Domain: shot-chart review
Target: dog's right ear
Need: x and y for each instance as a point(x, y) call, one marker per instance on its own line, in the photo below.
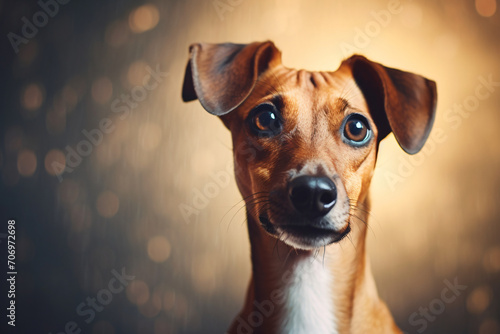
point(401, 102)
point(222, 76)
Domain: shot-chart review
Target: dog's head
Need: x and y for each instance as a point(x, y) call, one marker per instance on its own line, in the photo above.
point(305, 143)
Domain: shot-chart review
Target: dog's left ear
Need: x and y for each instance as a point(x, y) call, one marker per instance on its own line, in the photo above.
point(222, 76)
point(401, 102)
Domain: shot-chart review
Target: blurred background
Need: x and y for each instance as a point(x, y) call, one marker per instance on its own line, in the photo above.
point(107, 173)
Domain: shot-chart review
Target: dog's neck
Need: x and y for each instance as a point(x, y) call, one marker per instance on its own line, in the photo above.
point(330, 290)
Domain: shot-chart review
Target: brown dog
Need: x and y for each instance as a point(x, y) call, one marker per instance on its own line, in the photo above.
point(305, 146)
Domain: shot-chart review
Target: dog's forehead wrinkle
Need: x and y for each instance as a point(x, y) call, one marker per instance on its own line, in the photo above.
point(318, 79)
point(309, 80)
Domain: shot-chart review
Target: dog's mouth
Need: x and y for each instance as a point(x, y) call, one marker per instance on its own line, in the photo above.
point(308, 236)
point(308, 212)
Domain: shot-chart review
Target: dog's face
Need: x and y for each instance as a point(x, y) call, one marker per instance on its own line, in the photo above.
point(305, 143)
point(305, 147)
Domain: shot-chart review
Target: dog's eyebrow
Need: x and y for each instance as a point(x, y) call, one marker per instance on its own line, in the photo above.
point(343, 104)
point(278, 101)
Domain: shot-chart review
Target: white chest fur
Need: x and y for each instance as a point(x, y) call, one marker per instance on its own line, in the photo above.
point(308, 302)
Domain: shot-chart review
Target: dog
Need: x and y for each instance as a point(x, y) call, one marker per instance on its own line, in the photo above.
point(305, 146)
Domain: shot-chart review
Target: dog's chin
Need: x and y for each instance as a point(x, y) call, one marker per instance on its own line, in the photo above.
point(304, 237)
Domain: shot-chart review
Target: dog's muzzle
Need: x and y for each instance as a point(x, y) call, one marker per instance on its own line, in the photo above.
point(301, 213)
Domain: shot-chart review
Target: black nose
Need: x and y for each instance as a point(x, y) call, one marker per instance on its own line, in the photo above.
point(312, 196)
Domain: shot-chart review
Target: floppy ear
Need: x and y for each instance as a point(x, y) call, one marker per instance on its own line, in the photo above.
point(222, 76)
point(401, 102)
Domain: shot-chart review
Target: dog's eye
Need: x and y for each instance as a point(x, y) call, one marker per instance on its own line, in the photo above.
point(357, 131)
point(265, 121)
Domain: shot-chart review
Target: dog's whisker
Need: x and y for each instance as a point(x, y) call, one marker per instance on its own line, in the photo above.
point(324, 252)
point(352, 243)
point(357, 207)
point(288, 254)
point(276, 244)
point(240, 202)
point(248, 205)
point(351, 215)
point(361, 207)
point(358, 218)
point(234, 216)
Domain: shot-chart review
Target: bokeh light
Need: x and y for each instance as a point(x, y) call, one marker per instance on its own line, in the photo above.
point(489, 326)
point(107, 204)
point(486, 8)
point(138, 292)
point(144, 18)
point(159, 249)
point(32, 97)
point(479, 299)
point(26, 163)
point(55, 162)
